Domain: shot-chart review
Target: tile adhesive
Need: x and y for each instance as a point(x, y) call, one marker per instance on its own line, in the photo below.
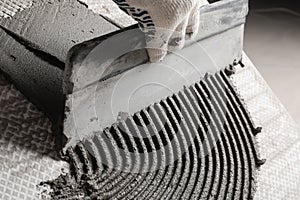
point(197, 143)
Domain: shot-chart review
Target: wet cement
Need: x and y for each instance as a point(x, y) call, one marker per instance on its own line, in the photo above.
point(196, 144)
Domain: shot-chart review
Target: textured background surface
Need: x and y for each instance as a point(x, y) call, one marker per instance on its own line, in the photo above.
point(279, 141)
point(26, 145)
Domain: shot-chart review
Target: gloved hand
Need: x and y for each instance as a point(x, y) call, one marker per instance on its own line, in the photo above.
point(166, 23)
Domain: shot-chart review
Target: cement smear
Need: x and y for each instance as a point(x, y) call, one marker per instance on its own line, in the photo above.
point(196, 144)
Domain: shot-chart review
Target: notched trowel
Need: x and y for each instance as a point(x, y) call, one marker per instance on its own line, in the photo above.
point(109, 78)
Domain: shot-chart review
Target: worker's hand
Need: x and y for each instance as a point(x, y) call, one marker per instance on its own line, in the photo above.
point(166, 23)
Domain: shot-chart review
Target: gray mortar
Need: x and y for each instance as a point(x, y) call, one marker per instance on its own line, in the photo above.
point(35, 42)
point(229, 156)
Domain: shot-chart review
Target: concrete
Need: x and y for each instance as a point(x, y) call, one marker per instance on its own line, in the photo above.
point(35, 43)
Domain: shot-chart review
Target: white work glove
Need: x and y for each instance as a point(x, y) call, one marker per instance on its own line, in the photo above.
point(166, 23)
